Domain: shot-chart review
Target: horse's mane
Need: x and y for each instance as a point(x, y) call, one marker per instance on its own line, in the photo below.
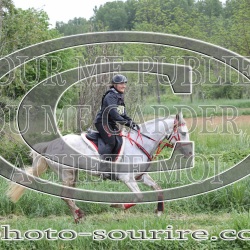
point(158, 119)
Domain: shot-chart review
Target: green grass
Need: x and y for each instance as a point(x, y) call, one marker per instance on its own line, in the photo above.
point(233, 149)
point(196, 108)
point(130, 220)
point(226, 208)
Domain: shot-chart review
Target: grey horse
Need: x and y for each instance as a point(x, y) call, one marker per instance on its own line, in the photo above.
point(153, 133)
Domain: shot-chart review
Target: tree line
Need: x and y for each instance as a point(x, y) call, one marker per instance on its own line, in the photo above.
point(226, 25)
point(209, 20)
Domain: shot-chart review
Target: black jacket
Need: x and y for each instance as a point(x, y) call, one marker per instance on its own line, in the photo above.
point(113, 109)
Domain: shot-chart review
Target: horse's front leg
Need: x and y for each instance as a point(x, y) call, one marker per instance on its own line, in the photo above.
point(147, 180)
point(76, 211)
point(133, 186)
point(69, 179)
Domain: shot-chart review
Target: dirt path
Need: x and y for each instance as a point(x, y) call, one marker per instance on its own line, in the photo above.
point(214, 121)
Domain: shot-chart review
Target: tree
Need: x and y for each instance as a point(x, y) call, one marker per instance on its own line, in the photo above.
point(26, 27)
point(6, 11)
point(22, 28)
point(240, 33)
point(130, 8)
point(72, 27)
point(210, 7)
point(229, 8)
point(112, 15)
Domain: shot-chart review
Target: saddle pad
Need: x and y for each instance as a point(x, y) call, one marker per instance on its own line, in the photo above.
point(95, 149)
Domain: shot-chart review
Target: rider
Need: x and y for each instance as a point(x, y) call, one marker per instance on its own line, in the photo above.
point(112, 112)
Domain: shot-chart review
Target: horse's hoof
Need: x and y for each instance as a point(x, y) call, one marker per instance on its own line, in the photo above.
point(158, 213)
point(78, 220)
point(120, 206)
point(79, 214)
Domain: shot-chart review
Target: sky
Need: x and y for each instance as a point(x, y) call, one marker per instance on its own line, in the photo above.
point(64, 10)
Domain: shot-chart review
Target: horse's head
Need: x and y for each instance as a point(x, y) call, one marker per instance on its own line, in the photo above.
point(180, 128)
point(180, 134)
point(172, 129)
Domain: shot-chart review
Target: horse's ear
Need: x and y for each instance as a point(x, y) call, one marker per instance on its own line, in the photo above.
point(179, 117)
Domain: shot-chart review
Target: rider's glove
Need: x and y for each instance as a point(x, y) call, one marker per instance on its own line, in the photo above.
point(134, 126)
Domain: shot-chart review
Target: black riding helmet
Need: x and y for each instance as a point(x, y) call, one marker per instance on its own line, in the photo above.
point(119, 79)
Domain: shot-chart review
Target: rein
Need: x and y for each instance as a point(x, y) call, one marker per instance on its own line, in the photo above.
point(139, 145)
point(161, 144)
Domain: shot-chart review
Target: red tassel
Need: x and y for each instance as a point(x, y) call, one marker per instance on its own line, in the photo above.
point(127, 206)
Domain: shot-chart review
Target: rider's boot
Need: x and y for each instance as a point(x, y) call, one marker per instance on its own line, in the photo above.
point(104, 164)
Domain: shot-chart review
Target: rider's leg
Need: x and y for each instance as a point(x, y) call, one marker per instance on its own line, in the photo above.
point(109, 139)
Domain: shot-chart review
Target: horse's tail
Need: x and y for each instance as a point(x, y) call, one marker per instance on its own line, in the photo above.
point(39, 166)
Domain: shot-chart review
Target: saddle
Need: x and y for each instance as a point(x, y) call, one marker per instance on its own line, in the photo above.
point(94, 140)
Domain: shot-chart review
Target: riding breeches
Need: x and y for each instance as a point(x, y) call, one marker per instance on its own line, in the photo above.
point(108, 135)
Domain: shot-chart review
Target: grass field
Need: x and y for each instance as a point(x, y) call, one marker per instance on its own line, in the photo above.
point(212, 223)
point(224, 209)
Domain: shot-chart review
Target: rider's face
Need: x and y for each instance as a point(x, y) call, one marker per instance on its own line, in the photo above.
point(120, 87)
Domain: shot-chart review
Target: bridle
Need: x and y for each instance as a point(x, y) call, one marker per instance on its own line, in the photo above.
point(166, 142)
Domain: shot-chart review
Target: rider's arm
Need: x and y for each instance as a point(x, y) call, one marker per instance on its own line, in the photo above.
point(125, 116)
point(110, 102)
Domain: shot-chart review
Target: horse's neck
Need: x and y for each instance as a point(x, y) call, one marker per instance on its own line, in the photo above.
point(157, 130)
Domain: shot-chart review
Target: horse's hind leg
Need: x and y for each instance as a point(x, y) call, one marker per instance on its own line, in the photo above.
point(133, 186)
point(147, 180)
